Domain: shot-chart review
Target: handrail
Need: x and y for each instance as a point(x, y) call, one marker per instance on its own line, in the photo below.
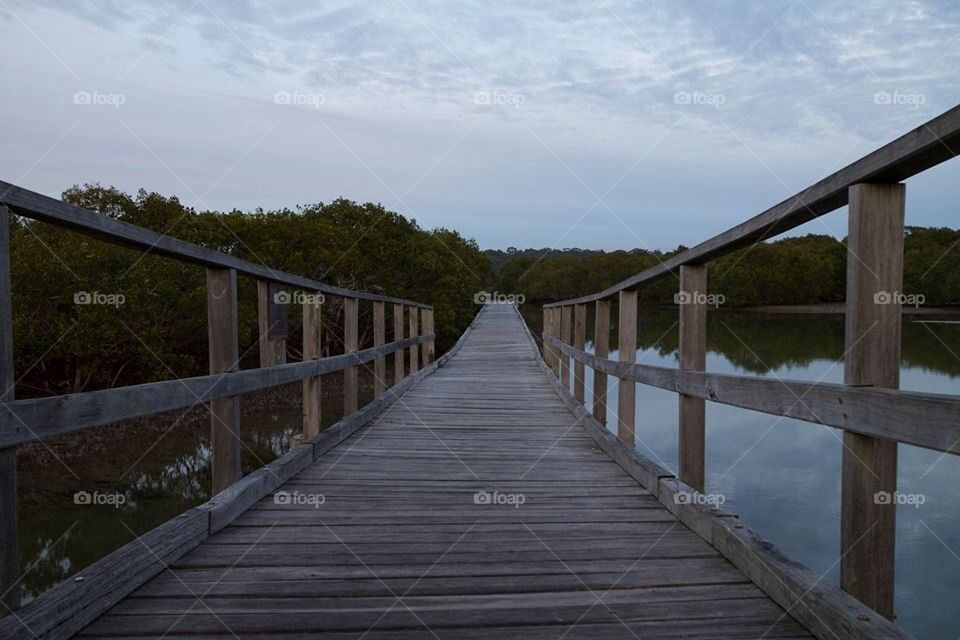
point(46, 209)
point(922, 148)
point(874, 414)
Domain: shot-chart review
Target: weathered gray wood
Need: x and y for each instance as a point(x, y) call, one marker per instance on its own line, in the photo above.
point(379, 338)
point(224, 357)
point(693, 357)
point(566, 335)
point(874, 280)
point(40, 207)
point(885, 413)
point(9, 544)
point(351, 337)
point(426, 328)
point(914, 152)
point(37, 418)
point(627, 389)
point(601, 348)
point(272, 315)
point(414, 330)
point(312, 340)
point(579, 342)
point(398, 368)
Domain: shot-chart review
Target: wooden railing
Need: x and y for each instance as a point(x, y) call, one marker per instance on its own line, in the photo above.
point(23, 421)
point(873, 413)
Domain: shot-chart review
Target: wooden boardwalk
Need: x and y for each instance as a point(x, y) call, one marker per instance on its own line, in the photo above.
point(475, 507)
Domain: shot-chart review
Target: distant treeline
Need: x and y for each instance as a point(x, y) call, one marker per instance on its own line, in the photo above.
point(147, 320)
point(804, 270)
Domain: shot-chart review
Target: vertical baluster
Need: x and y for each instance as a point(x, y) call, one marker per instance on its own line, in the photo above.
point(557, 333)
point(379, 339)
point(351, 333)
point(273, 304)
point(874, 278)
point(548, 331)
point(414, 349)
point(426, 325)
point(627, 389)
point(224, 357)
point(601, 348)
point(398, 335)
point(312, 335)
point(566, 331)
point(579, 342)
point(693, 357)
point(9, 547)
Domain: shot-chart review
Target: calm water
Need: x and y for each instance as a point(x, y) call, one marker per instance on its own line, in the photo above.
point(782, 476)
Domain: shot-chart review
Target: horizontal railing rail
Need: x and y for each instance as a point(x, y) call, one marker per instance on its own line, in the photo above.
point(869, 407)
point(24, 421)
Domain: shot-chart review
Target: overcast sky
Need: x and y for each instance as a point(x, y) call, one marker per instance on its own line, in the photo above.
point(594, 123)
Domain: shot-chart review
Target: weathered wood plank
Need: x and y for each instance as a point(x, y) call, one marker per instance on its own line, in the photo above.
point(398, 368)
point(414, 330)
point(351, 337)
point(380, 338)
point(601, 348)
point(627, 389)
point(566, 335)
point(222, 321)
point(579, 342)
point(693, 357)
point(312, 341)
point(272, 309)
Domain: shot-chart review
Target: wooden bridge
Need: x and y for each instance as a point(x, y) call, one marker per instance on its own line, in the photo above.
point(482, 495)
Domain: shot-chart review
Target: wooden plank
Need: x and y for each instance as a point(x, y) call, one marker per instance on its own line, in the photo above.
point(885, 413)
point(874, 282)
point(351, 337)
point(379, 338)
point(914, 152)
point(398, 368)
point(579, 342)
point(693, 357)
point(566, 335)
point(414, 329)
point(9, 543)
point(429, 348)
point(312, 341)
point(601, 348)
point(273, 302)
point(627, 389)
point(53, 211)
point(224, 357)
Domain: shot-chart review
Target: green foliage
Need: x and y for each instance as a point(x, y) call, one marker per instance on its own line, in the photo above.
point(159, 332)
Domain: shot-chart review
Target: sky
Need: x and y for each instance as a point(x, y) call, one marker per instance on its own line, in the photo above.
point(600, 124)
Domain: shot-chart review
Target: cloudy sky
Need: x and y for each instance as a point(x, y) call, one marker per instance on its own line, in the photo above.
point(590, 123)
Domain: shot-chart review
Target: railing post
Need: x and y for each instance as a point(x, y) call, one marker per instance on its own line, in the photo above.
point(414, 349)
point(566, 329)
point(350, 345)
point(397, 335)
point(693, 357)
point(379, 339)
point(874, 279)
point(601, 348)
point(312, 335)
point(224, 356)
point(556, 333)
point(627, 389)
point(579, 342)
point(426, 326)
point(9, 546)
point(273, 304)
point(547, 331)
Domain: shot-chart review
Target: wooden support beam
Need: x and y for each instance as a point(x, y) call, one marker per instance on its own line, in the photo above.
point(224, 357)
point(273, 306)
point(601, 348)
point(579, 342)
point(566, 335)
point(557, 333)
point(351, 338)
point(874, 280)
point(398, 374)
point(627, 389)
point(9, 545)
point(693, 357)
point(414, 350)
point(547, 315)
point(379, 338)
point(426, 325)
point(312, 341)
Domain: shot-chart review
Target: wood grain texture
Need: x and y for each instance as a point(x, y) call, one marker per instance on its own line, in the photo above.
point(566, 335)
point(579, 342)
point(693, 357)
point(351, 337)
point(272, 323)
point(224, 357)
point(874, 282)
point(9, 542)
point(627, 389)
point(414, 330)
point(312, 339)
point(379, 338)
point(398, 368)
point(601, 348)
point(428, 348)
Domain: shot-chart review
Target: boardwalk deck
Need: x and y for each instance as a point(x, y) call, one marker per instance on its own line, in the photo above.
point(407, 545)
